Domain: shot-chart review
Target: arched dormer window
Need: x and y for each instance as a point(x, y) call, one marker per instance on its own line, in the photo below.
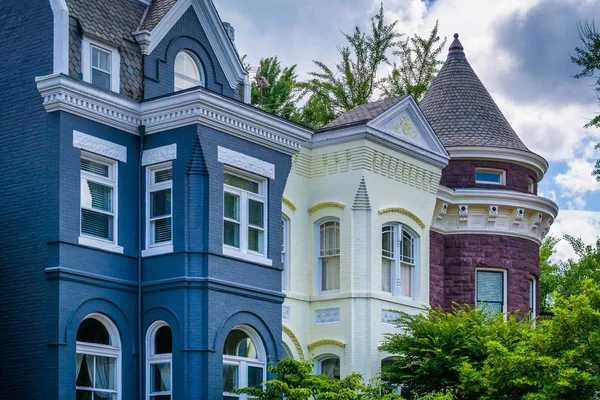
point(398, 260)
point(159, 356)
point(188, 72)
point(328, 255)
point(244, 359)
point(98, 359)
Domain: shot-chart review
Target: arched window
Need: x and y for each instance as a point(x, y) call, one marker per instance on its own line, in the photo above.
point(398, 260)
point(328, 255)
point(98, 359)
point(159, 356)
point(188, 73)
point(285, 252)
point(328, 365)
point(243, 361)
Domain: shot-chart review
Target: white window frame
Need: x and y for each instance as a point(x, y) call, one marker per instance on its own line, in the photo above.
point(152, 358)
point(86, 62)
point(113, 181)
point(285, 253)
point(162, 247)
point(501, 172)
point(243, 252)
point(504, 284)
point(398, 232)
point(318, 263)
point(112, 351)
point(532, 297)
point(243, 363)
point(531, 185)
point(199, 68)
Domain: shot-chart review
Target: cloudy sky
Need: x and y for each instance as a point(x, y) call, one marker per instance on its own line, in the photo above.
point(519, 48)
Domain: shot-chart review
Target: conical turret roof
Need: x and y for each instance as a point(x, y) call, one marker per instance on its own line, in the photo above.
point(461, 111)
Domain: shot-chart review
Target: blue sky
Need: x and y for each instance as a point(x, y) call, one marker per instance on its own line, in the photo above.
point(519, 48)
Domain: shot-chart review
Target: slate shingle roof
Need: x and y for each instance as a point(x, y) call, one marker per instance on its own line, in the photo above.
point(156, 12)
point(461, 111)
point(110, 20)
point(362, 113)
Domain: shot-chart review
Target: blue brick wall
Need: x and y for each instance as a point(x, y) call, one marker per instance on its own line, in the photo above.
point(26, 32)
point(186, 34)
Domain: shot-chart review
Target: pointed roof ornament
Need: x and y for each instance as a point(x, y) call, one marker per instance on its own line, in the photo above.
point(456, 48)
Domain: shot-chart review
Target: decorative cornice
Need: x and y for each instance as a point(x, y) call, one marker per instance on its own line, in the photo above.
point(320, 206)
point(527, 159)
point(294, 340)
point(325, 342)
point(199, 106)
point(245, 162)
point(288, 203)
point(159, 154)
point(499, 212)
point(405, 212)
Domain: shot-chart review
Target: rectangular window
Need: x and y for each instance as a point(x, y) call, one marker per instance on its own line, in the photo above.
point(531, 185)
point(98, 192)
point(244, 213)
point(490, 291)
point(397, 260)
point(532, 298)
point(490, 176)
point(387, 258)
point(285, 240)
point(159, 199)
point(329, 255)
point(101, 67)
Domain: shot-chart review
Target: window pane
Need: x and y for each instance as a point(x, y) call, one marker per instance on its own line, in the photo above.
point(100, 59)
point(231, 206)
point(256, 213)
point(94, 167)
point(96, 224)
point(406, 280)
point(83, 395)
point(96, 195)
point(230, 377)
point(386, 275)
point(330, 273)
point(493, 177)
point(162, 230)
point(163, 175)
point(255, 376)
point(163, 341)
point(255, 240)
point(93, 331)
point(239, 344)
point(241, 183)
point(331, 367)
point(231, 234)
point(85, 364)
point(160, 203)
point(105, 372)
point(330, 238)
point(489, 286)
point(160, 377)
point(387, 241)
point(187, 74)
point(100, 79)
point(408, 248)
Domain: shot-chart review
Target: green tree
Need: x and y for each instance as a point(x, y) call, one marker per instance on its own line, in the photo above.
point(352, 81)
point(280, 95)
point(419, 64)
point(316, 112)
point(588, 58)
point(549, 274)
point(574, 272)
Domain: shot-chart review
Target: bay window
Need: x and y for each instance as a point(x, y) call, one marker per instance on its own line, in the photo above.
point(398, 260)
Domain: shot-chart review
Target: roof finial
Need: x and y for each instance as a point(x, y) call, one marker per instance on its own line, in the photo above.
point(456, 47)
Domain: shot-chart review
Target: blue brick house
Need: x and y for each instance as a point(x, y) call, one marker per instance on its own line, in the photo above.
point(141, 254)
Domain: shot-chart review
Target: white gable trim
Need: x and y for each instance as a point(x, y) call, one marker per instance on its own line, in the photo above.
point(61, 36)
point(213, 27)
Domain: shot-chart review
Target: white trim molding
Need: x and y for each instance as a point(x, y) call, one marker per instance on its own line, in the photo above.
point(99, 146)
point(100, 244)
point(199, 106)
point(246, 163)
point(527, 159)
point(500, 212)
point(212, 25)
point(86, 61)
point(61, 36)
point(159, 154)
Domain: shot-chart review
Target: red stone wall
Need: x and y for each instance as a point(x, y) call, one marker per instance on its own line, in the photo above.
point(436, 269)
point(461, 174)
point(464, 253)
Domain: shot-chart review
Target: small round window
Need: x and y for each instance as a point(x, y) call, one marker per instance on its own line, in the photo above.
point(187, 72)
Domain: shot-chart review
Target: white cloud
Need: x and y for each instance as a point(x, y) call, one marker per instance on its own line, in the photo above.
point(581, 224)
point(578, 179)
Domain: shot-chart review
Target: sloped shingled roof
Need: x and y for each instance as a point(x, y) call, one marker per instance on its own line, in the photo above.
point(110, 20)
point(157, 10)
point(461, 111)
point(362, 114)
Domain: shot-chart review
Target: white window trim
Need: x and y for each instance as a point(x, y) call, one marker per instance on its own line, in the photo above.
point(532, 294)
point(285, 246)
point(243, 253)
point(151, 358)
point(504, 289)
point(114, 350)
point(92, 241)
point(398, 230)
point(531, 185)
point(163, 247)
point(492, 171)
point(199, 68)
point(243, 362)
point(319, 267)
point(86, 62)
